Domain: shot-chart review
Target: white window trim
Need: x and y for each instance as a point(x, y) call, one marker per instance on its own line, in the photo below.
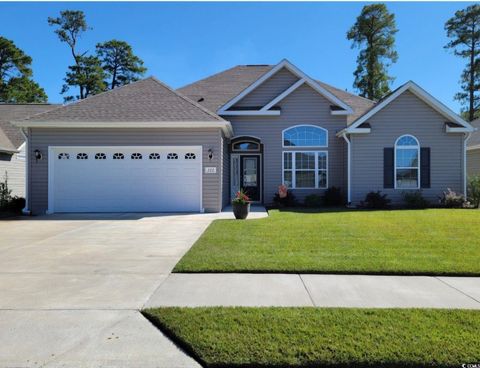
point(417, 147)
point(293, 169)
point(305, 125)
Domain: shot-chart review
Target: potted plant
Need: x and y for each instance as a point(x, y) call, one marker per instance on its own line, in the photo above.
point(241, 205)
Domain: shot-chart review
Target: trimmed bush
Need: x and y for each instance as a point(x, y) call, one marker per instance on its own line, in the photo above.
point(474, 191)
point(451, 199)
point(313, 200)
point(333, 197)
point(415, 200)
point(16, 204)
point(375, 201)
point(288, 201)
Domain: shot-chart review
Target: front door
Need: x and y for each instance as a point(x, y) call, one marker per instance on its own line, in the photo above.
point(250, 176)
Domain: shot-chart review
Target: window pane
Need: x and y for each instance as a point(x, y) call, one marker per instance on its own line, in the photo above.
point(305, 136)
point(322, 160)
point(407, 157)
point(407, 178)
point(287, 178)
point(407, 140)
point(322, 179)
point(305, 160)
point(304, 179)
point(245, 146)
point(287, 160)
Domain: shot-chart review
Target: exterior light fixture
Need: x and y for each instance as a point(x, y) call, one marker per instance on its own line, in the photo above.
point(38, 154)
point(210, 153)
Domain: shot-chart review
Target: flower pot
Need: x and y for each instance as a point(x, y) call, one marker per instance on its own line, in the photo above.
point(241, 210)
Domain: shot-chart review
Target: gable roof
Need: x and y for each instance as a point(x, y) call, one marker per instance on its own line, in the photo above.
point(304, 79)
point(147, 100)
point(10, 136)
point(461, 125)
point(215, 91)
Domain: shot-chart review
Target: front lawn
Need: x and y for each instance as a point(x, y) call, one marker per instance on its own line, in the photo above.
point(428, 242)
point(313, 337)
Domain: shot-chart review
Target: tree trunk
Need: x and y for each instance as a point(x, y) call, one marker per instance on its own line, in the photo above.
point(114, 78)
point(471, 86)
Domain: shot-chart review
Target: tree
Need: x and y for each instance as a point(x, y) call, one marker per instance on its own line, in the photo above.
point(464, 30)
point(22, 90)
point(119, 62)
point(374, 33)
point(88, 74)
point(70, 26)
point(16, 85)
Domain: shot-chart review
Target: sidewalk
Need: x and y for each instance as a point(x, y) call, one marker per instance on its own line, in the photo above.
point(229, 289)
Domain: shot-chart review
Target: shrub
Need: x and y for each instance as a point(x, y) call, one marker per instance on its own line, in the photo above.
point(313, 200)
point(474, 191)
point(375, 200)
point(451, 199)
point(415, 200)
point(5, 193)
point(333, 197)
point(16, 204)
point(288, 201)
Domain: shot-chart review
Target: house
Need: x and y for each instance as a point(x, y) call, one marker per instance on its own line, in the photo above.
point(473, 150)
point(12, 143)
point(147, 147)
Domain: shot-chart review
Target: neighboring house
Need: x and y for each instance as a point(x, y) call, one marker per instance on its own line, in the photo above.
point(12, 143)
point(147, 147)
point(473, 150)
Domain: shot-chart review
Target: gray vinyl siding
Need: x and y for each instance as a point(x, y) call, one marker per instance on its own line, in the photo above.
point(303, 106)
point(14, 167)
point(473, 162)
point(406, 115)
point(269, 89)
point(41, 139)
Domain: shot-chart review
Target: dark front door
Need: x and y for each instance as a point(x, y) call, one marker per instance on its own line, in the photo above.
point(250, 176)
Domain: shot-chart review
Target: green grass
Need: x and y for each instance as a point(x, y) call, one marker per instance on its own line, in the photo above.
point(422, 242)
point(313, 337)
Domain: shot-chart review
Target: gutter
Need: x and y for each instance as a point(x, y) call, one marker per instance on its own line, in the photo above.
point(26, 210)
point(467, 137)
point(349, 196)
point(224, 125)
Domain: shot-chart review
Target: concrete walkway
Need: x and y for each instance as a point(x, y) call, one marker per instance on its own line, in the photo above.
point(194, 290)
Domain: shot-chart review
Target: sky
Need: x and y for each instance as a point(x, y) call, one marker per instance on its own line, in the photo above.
point(184, 42)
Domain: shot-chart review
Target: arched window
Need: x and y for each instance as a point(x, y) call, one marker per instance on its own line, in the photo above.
point(407, 162)
point(305, 136)
point(246, 146)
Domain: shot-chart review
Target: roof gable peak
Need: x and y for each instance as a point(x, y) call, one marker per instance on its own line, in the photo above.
point(303, 79)
point(423, 95)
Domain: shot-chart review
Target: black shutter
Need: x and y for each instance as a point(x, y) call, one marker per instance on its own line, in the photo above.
point(425, 167)
point(388, 168)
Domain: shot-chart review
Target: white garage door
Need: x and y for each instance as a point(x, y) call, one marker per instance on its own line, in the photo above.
point(125, 179)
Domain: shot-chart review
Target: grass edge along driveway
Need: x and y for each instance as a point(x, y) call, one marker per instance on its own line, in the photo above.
point(313, 337)
point(397, 242)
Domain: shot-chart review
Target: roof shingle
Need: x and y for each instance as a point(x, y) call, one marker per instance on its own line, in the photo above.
point(10, 136)
point(147, 100)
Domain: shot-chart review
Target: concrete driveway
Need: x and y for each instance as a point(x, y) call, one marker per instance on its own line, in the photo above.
point(71, 287)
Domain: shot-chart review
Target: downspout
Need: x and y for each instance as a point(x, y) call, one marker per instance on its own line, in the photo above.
point(349, 196)
point(467, 137)
point(26, 210)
